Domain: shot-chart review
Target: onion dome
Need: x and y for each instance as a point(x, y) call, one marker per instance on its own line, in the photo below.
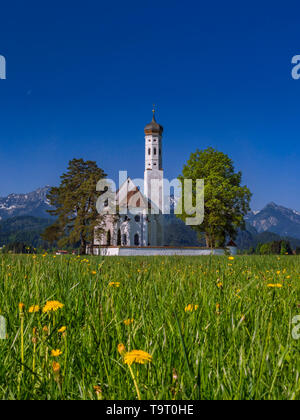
point(154, 127)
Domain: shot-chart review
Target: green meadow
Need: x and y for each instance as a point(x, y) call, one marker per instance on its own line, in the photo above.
point(214, 328)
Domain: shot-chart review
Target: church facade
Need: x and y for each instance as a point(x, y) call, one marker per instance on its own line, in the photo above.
point(140, 223)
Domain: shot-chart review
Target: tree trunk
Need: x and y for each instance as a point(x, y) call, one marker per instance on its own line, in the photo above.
point(83, 247)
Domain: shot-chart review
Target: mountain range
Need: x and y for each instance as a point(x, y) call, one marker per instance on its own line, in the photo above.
point(31, 204)
point(28, 213)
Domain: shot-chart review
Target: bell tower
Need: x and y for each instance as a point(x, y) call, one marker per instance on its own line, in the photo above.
point(153, 178)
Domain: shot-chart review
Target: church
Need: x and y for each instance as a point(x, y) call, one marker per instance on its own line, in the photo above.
point(137, 227)
point(140, 223)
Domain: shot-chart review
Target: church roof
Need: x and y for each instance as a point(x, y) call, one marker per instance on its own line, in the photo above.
point(154, 127)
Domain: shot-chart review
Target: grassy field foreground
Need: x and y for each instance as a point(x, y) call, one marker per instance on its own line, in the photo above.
point(216, 328)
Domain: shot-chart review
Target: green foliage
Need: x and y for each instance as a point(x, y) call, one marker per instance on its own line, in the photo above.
point(24, 230)
point(226, 201)
point(241, 349)
point(75, 205)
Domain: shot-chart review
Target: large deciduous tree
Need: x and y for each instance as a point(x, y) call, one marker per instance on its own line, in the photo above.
point(226, 202)
point(74, 203)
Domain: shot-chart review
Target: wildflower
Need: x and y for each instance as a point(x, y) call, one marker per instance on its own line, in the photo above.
point(218, 309)
point(278, 285)
point(52, 305)
point(137, 356)
point(220, 285)
point(191, 308)
point(56, 353)
point(62, 329)
point(121, 348)
point(45, 329)
point(56, 367)
point(231, 258)
point(94, 273)
point(114, 284)
point(33, 309)
point(21, 307)
point(128, 321)
point(98, 390)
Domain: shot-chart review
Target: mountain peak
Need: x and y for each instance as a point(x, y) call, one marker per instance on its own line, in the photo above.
point(34, 203)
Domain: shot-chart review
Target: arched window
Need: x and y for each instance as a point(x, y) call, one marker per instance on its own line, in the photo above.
point(108, 238)
point(149, 151)
point(136, 239)
point(155, 150)
point(119, 238)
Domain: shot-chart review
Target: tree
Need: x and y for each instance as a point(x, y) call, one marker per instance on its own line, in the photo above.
point(75, 205)
point(226, 202)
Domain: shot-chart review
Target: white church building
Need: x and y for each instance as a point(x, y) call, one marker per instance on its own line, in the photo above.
point(137, 228)
point(142, 223)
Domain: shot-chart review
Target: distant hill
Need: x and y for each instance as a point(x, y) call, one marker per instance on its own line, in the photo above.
point(31, 204)
point(26, 229)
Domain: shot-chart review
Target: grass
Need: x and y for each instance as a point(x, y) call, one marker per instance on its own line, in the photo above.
point(237, 344)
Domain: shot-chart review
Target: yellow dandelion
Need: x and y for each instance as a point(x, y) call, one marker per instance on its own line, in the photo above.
point(231, 258)
point(33, 309)
point(21, 307)
point(62, 329)
point(220, 285)
point(128, 321)
point(114, 284)
point(98, 390)
point(191, 308)
point(137, 356)
point(56, 353)
point(277, 285)
point(94, 273)
point(52, 305)
point(121, 348)
point(55, 367)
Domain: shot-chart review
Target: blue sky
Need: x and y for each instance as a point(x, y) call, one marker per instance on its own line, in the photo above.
point(82, 78)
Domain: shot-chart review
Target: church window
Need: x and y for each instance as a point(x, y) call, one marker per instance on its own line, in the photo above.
point(136, 239)
point(106, 203)
point(137, 218)
point(149, 151)
point(119, 238)
point(155, 150)
point(108, 238)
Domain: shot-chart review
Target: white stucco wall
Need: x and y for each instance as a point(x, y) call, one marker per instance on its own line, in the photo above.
point(153, 251)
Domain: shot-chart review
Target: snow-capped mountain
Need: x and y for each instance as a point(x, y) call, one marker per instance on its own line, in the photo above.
point(276, 219)
point(31, 204)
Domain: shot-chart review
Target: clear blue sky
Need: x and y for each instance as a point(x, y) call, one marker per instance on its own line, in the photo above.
point(82, 78)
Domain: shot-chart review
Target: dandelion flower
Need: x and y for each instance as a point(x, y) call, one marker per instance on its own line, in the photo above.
point(121, 348)
point(114, 284)
point(231, 258)
point(278, 285)
point(56, 353)
point(21, 306)
point(137, 356)
point(191, 308)
point(52, 305)
point(62, 329)
point(220, 285)
point(128, 321)
point(33, 309)
point(56, 367)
